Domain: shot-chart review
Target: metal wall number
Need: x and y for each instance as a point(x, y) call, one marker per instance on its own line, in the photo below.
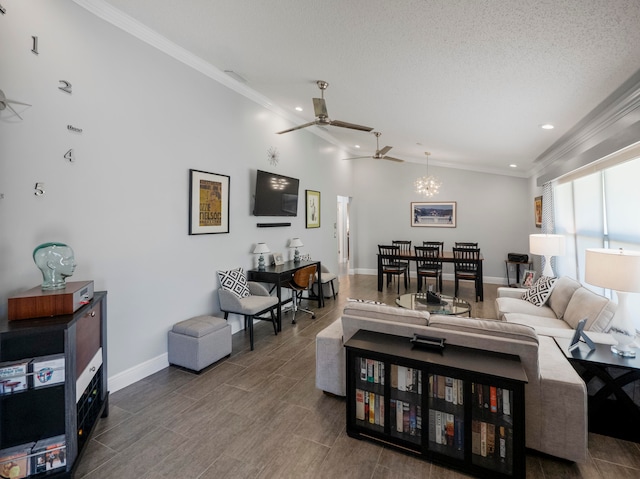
point(69, 155)
point(39, 189)
point(65, 87)
point(34, 49)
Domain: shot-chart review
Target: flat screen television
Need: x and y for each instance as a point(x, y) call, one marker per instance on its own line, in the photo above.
point(276, 195)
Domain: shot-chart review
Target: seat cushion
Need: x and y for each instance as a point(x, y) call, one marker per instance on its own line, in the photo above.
point(234, 281)
point(199, 326)
point(506, 305)
point(252, 305)
point(536, 321)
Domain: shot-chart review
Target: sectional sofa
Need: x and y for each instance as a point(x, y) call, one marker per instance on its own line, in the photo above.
point(555, 396)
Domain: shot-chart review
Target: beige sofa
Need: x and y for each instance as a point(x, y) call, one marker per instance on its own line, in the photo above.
point(568, 303)
point(555, 396)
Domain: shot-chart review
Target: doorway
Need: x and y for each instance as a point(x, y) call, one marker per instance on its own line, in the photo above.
point(341, 232)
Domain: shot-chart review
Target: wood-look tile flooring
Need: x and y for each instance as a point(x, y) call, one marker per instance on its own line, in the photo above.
point(258, 414)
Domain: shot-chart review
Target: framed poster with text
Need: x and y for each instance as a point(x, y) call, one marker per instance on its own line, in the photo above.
point(208, 203)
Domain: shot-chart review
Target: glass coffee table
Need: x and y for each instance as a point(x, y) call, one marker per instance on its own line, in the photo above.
point(451, 306)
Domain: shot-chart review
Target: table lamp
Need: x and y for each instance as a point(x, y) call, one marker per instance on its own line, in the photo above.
point(260, 249)
point(617, 270)
point(296, 243)
point(547, 246)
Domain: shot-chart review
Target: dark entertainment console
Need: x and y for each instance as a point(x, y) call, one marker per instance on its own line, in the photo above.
point(457, 406)
point(53, 388)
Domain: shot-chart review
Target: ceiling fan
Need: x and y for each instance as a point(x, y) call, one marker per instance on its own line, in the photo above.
point(379, 154)
point(322, 117)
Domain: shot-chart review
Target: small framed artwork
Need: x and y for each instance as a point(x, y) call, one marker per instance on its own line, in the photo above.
point(278, 259)
point(436, 215)
point(208, 203)
point(528, 278)
point(537, 211)
point(312, 208)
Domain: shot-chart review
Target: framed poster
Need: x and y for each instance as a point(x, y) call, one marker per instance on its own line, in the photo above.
point(312, 208)
point(435, 215)
point(537, 211)
point(208, 203)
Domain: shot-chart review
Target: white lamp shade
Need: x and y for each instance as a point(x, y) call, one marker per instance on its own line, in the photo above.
point(295, 243)
point(546, 245)
point(618, 270)
point(261, 248)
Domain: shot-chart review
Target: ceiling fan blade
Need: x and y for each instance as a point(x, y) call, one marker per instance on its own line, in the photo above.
point(320, 108)
point(391, 158)
point(385, 150)
point(296, 128)
point(353, 126)
point(356, 158)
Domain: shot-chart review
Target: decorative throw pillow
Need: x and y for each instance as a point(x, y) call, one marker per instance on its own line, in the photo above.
point(540, 291)
point(235, 281)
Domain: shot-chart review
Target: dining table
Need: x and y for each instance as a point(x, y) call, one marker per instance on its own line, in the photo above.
point(446, 257)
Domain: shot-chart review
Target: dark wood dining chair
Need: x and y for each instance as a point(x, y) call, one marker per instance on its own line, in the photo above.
point(429, 265)
point(405, 249)
point(390, 264)
point(435, 244)
point(465, 245)
point(466, 267)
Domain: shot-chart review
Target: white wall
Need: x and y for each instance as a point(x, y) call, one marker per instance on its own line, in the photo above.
point(494, 211)
point(123, 204)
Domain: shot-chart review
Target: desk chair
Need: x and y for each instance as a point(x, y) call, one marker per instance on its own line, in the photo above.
point(247, 298)
point(405, 248)
point(391, 266)
point(302, 280)
point(466, 266)
point(428, 265)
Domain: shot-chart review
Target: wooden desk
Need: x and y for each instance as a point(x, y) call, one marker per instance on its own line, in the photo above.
point(279, 275)
point(447, 257)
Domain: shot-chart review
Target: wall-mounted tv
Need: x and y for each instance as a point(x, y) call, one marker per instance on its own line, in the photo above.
point(276, 195)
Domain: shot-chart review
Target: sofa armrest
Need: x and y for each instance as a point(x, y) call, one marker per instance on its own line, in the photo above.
point(331, 360)
point(511, 292)
point(563, 414)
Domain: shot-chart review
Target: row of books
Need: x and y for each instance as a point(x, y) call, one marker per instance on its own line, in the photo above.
point(372, 371)
point(491, 398)
point(31, 373)
point(406, 417)
point(406, 379)
point(491, 442)
point(370, 407)
point(33, 458)
point(446, 429)
point(449, 389)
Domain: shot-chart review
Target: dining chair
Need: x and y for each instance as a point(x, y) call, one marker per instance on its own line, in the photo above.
point(405, 249)
point(301, 281)
point(328, 278)
point(390, 264)
point(428, 265)
point(435, 244)
point(465, 245)
point(466, 266)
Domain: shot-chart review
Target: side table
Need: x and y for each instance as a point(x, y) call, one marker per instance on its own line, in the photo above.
point(517, 263)
point(608, 376)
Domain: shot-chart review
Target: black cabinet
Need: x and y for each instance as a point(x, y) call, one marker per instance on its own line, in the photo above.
point(55, 404)
point(460, 407)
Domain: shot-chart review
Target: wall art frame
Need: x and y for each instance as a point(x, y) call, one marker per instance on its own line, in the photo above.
point(278, 259)
point(208, 202)
point(440, 214)
point(528, 278)
point(312, 208)
point(537, 211)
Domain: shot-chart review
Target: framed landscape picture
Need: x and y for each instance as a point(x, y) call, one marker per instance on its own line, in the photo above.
point(208, 203)
point(537, 211)
point(312, 208)
point(434, 214)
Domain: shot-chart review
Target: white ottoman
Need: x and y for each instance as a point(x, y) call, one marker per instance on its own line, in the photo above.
point(198, 342)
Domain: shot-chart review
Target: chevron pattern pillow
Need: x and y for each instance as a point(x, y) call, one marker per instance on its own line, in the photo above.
point(540, 291)
point(234, 281)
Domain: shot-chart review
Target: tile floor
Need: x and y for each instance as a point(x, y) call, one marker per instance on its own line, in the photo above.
point(257, 414)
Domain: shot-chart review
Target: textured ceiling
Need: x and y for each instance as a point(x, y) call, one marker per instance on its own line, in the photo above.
point(469, 80)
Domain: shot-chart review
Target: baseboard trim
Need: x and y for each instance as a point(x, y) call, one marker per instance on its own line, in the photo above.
point(138, 372)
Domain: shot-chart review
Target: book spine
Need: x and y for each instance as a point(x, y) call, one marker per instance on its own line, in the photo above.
point(491, 439)
point(506, 402)
point(370, 370)
point(475, 437)
point(449, 429)
point(448, 389)
point(460, 392)
point(406, 419)
point(394, 376)
point(363, 369)
point(372, 408)
point(459, 433)
point(438, 415)
point(360, 404)
point(493, 399)
point(483, 439)
point(399, 416)
point(432, 425)
point(412, 420)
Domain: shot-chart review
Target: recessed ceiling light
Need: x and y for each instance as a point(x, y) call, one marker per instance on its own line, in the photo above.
point(298, 108)
point(547, 126)
point(513, 165)
point(357, 146)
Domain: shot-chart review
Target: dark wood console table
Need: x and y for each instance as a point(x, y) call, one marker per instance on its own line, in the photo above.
point(279, 275)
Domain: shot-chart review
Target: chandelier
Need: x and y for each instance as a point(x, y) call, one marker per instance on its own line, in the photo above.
point(427, 185)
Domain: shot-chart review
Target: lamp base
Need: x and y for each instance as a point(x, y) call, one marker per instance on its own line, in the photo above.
point(623, 351)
